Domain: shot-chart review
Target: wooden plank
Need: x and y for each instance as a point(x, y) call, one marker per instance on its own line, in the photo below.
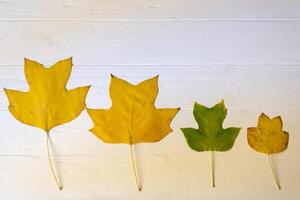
point(110, 177)
point(148, 9)
point(242, 87)
point(152, 42)
point(243, 177)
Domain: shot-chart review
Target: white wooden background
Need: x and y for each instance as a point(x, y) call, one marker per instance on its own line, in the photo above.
point(247, 52)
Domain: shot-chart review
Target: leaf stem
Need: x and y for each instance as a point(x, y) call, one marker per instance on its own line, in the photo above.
point(273, 172)
point(212, 165)
point(52, 164)
point(134, 169)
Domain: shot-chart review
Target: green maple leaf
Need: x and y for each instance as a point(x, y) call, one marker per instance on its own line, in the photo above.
point(210, 135)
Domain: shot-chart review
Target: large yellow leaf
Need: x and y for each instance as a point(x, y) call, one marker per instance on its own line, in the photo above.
point(132, 117)
point(268, 137)
point(47, 103)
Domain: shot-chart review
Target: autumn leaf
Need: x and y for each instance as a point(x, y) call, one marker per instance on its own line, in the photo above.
point(210, 134)
point(47, 103)
point(268, 138)
point(132, 117)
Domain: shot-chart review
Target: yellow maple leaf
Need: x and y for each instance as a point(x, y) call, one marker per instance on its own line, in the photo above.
point(268, 138)
point(132, 117)
point(47, 103)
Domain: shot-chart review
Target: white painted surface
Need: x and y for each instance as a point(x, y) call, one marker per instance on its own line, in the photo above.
point(246, 52)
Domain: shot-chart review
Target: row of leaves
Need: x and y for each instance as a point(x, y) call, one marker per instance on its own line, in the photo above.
point(132, 117)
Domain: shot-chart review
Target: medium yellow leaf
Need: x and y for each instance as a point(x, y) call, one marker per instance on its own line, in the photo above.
point(47, 103)
point(132, 117)
point(268, 137)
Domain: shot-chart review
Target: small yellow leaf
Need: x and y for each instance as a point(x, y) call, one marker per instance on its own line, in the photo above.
point(132, 117)
point(47, 103)
point(268, 137)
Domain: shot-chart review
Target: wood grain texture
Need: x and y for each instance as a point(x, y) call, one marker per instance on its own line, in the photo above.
point(148, 10)
point(246, 52)
point(172, 177)
point(152, 42)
